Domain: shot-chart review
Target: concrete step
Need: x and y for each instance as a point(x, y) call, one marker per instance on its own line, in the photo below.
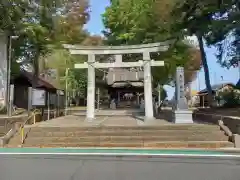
point(167, 144)
point(124, 133)
point(116, 139)
point(126, 128)
point(190, 144)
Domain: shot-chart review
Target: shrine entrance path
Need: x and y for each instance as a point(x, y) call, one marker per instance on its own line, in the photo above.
point(115, 118)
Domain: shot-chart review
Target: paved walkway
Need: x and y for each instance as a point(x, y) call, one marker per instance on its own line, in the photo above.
point(101, 120)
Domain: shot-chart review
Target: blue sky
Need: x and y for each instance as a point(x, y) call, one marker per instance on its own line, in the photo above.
point(95, 26)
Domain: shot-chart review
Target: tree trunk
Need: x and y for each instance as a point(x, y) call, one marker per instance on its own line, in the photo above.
point(35, 71)
point(205, 68)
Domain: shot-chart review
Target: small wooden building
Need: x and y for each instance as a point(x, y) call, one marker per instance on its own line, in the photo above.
point(21, 84)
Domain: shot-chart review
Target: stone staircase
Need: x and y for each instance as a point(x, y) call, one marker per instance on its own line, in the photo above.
point(2, 131)
point(164, 136)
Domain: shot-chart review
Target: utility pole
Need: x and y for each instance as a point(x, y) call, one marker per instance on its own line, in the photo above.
point(9, 110)
point(66, 91)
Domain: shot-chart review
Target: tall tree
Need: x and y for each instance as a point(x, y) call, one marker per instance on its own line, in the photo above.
point(225, 33)
point(146, 21)
point(212, 21)
point(38, 23)
point(193, 18)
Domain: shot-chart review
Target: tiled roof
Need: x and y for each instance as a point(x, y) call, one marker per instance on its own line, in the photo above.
point(123, 75)
point(216, 87)
point(41, 82)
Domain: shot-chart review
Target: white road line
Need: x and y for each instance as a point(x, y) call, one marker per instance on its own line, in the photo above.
point(128, 154)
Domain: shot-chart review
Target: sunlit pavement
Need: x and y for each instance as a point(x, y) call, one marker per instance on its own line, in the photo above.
point(206, 166)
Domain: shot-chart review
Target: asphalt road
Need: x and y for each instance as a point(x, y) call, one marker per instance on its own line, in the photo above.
point(65, 167)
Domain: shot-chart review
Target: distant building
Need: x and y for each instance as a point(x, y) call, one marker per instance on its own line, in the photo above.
point(216, 89)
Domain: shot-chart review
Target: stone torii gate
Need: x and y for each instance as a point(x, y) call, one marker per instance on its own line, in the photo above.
point(118, 51)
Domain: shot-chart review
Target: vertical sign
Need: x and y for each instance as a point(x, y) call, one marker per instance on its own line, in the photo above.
point(180, 95)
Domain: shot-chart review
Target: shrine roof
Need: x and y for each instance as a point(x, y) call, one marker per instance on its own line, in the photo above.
point(216, 87)
point(41, 82)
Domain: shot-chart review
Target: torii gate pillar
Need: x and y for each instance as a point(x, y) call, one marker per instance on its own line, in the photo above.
point(148, 87)
point(91, 89)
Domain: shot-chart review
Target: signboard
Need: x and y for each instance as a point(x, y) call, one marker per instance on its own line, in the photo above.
point(38, 97)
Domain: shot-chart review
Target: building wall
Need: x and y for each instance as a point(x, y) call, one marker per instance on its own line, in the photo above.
point(21, 96)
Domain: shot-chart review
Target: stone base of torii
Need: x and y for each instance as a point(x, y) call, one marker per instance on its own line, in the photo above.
point(146, 63)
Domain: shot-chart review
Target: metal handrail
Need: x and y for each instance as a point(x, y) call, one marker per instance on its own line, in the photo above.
point(21, 128)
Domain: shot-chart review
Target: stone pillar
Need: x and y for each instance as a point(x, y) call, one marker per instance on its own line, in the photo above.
point(181, 114)
point(91, 88)
point(118, 58)
point(148, 87)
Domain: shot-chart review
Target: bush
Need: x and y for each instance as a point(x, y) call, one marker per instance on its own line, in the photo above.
point(3, 109)
point(231, 98)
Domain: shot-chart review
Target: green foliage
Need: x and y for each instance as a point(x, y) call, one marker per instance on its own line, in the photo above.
point(163, 93)
point(213, 21)
point(42, 26)
point(3, 109)
point(12, 12)
point(225, 33)
point(216, 21)
point(195, 17)
point(137, 22)
point(78, 80)
point(15, 69)
point(61, 59)
point(231, 98)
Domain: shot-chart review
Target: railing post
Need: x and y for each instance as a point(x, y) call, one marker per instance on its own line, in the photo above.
point(34, 118)
point(22, 134)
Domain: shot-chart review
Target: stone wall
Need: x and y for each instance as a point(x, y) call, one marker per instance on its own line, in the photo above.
point(9, 122)
point(233, 123)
